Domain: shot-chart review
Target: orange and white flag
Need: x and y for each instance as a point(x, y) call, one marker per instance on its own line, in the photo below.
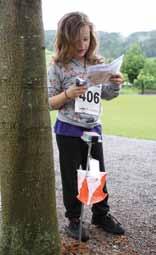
point(90, 186)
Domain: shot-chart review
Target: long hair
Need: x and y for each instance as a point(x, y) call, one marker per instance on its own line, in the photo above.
point(68, 28)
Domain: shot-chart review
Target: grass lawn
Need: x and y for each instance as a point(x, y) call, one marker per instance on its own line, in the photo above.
point(128, 115)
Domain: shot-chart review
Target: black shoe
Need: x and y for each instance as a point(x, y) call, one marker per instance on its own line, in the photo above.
point(108, 223)
point(73, 230)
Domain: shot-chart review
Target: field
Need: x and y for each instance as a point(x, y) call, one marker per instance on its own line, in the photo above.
point(128, 115)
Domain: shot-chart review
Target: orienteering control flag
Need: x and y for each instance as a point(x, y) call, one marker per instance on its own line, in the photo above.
point(91, 183)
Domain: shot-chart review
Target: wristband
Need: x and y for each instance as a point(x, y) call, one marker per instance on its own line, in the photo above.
point(65, 92)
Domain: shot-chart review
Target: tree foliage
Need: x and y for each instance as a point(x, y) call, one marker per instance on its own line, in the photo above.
point(110, 45)
point(133, 62)
point(147, 76)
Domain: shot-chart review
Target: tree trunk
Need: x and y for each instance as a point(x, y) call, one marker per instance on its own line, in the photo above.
point(142, 88)
point(29, 222)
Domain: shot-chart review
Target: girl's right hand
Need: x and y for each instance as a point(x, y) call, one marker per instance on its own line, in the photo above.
point(75, 91)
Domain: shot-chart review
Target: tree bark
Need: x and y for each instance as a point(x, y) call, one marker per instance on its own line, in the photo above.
point(29, 221)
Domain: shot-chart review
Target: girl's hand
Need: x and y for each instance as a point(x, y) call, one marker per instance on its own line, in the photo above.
point(75, 91)
point(117, 79)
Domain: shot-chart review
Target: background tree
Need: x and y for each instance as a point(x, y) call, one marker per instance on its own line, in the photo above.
point(50, 39)
point(29, 223)
point(133, 62)
point(110, 45)
point(146, 79)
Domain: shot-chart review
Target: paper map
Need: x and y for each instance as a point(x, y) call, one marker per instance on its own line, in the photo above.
point(101, 73)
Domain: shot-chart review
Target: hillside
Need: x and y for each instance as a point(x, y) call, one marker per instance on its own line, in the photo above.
point(114, 44)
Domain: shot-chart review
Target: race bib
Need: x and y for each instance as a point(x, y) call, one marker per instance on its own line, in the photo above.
point(89, 102)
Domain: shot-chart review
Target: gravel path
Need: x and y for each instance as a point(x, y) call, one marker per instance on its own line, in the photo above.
point(131, 167)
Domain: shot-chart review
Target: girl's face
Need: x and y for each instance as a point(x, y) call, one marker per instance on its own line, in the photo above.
point(82, 43)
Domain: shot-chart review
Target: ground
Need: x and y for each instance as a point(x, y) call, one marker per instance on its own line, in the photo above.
point(131, 168)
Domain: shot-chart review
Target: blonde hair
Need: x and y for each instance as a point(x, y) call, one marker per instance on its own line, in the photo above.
point(68, 28)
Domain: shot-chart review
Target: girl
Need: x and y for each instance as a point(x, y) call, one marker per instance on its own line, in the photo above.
point(75, 51)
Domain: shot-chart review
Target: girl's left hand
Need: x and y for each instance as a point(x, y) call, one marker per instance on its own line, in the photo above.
point(117, 79)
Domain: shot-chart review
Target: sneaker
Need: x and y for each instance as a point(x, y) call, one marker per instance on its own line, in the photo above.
point(73, 230)
point(108, 223)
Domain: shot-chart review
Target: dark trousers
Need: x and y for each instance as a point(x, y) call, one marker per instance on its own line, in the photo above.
point(73, 153)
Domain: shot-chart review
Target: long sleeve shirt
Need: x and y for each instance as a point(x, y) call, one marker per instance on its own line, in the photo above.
point(61, 78)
